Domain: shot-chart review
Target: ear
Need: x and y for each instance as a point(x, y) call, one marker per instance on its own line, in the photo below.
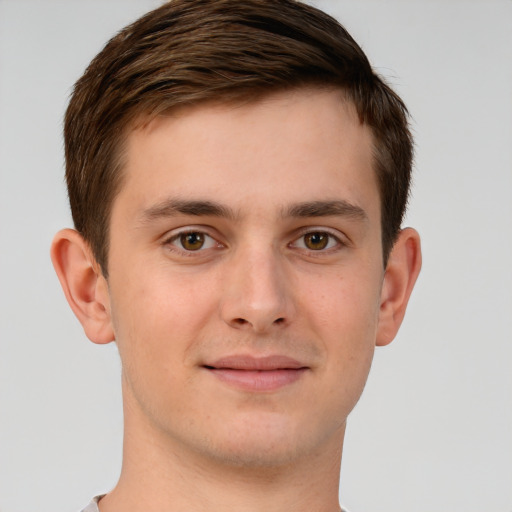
point(84, 286)
point(402, 270)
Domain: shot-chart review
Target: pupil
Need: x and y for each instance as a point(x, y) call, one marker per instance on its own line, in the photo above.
point(316, 241)
point(192, 241)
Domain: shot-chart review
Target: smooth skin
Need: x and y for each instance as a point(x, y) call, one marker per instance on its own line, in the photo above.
point(247, 231)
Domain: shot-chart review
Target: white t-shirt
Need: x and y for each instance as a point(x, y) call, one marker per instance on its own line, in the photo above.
point(93, 506)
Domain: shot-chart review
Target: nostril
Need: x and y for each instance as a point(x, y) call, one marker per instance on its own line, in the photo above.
point(240, 322)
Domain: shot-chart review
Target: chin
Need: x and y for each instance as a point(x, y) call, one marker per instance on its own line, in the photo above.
point(255, 455)
point(267, 443)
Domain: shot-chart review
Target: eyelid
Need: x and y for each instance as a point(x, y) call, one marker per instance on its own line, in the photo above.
point(341, 239)
point(175, 234)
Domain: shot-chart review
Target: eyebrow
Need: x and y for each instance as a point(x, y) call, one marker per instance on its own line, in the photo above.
point(334, 208)
point(174, 206)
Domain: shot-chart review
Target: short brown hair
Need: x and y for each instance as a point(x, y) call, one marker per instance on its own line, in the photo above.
point(191, 51)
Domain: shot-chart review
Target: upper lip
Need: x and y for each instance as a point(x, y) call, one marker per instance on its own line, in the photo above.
point(248, 362)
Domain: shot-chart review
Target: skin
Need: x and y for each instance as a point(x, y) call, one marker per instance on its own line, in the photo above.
point(260, 275)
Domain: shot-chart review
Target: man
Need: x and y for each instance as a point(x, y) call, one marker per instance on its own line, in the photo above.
point(238, 176)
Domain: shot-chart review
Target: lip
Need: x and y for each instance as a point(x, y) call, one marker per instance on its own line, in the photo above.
point(257, 374)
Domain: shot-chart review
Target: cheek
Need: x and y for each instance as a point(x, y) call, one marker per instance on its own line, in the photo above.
point(345, 305)
point(344, 317)
point(157, 321)
point(157, 316)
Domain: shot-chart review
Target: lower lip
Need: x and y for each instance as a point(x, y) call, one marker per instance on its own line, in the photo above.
point(258, 380)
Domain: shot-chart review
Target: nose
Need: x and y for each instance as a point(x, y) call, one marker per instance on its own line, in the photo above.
point(257, 292)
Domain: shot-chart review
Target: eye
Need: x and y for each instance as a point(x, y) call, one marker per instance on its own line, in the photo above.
point(192, 241)
point(316, 241)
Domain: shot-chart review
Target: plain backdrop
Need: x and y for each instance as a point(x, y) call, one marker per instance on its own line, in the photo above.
point(433, 430)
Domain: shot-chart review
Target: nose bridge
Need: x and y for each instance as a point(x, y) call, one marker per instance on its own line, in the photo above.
point(257, 293)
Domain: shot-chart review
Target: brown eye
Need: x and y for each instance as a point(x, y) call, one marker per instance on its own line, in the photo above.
point(192, 241)
point(316, 241)
point(189, 242)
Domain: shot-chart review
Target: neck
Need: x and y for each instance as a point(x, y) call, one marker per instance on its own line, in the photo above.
point(159, 474)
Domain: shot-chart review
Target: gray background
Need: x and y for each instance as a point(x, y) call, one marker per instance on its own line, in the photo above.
point(433, 431)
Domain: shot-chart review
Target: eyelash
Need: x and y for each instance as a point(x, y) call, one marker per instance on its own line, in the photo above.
point(333, 243)
point(169, 242)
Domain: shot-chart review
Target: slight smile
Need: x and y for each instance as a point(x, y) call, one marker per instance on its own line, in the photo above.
point(255, 374)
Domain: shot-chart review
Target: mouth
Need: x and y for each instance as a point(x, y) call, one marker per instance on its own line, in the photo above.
point(257, 374)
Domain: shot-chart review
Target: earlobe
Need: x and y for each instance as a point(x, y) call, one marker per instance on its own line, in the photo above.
point(83, 284)
point(402, 270)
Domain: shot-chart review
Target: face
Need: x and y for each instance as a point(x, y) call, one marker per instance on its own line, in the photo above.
point(245, 273)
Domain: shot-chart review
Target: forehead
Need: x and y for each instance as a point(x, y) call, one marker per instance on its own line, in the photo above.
point(286, 147)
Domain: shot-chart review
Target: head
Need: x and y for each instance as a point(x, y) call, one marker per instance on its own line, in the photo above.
point(223, 51)
point(238, 175)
